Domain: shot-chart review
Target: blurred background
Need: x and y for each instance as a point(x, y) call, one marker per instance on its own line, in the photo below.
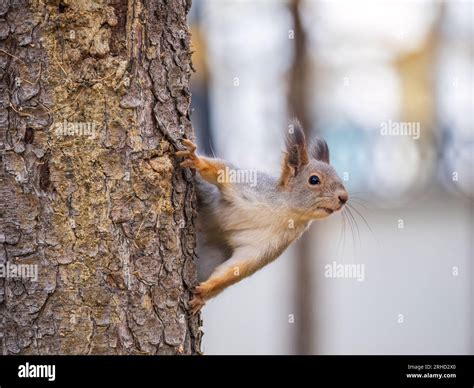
point(352, 72)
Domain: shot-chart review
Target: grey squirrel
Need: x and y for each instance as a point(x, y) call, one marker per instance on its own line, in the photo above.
point(243, 227)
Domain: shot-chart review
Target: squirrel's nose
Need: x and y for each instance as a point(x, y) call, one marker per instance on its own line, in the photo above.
point(343, 197)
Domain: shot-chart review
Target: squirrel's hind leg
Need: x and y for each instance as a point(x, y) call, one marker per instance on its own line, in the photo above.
point(242, 264)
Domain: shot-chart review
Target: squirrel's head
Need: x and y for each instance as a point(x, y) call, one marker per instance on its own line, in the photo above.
point(315, 189)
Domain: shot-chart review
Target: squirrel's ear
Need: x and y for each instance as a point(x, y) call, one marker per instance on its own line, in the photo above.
point(320, 150)
point(296, 146)
point(296, 155)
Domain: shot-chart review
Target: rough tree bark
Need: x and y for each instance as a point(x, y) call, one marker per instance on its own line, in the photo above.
point(105, 214)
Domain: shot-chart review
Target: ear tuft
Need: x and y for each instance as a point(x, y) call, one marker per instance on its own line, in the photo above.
point(320, 150)
point(296, 155)
point(296, 145)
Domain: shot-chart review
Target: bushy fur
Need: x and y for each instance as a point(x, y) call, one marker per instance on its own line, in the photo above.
point(260, 222)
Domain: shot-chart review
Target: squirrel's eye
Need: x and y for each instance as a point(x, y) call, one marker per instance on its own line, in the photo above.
point(314, 180)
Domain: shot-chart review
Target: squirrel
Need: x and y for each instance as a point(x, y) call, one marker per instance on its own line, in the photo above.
point(242, 227)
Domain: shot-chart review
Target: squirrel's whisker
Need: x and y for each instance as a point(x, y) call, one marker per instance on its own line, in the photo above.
point(341, 232)
point(344, 241)
point(359, 192)
point(352, 231)
point(356, 225)
point(357, 201)
point(363, 219)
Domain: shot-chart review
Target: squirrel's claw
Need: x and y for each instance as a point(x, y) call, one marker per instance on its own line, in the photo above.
point(189, 153)
point(188, 163)
point(196, 304)
point(190, 148)
point(198, 300)
point(189, 145)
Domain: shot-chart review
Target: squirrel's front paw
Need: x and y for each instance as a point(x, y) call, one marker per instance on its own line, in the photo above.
point(192, 160)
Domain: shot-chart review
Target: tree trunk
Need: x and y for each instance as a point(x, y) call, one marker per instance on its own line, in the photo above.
point(94, 97)
point(298, 107)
